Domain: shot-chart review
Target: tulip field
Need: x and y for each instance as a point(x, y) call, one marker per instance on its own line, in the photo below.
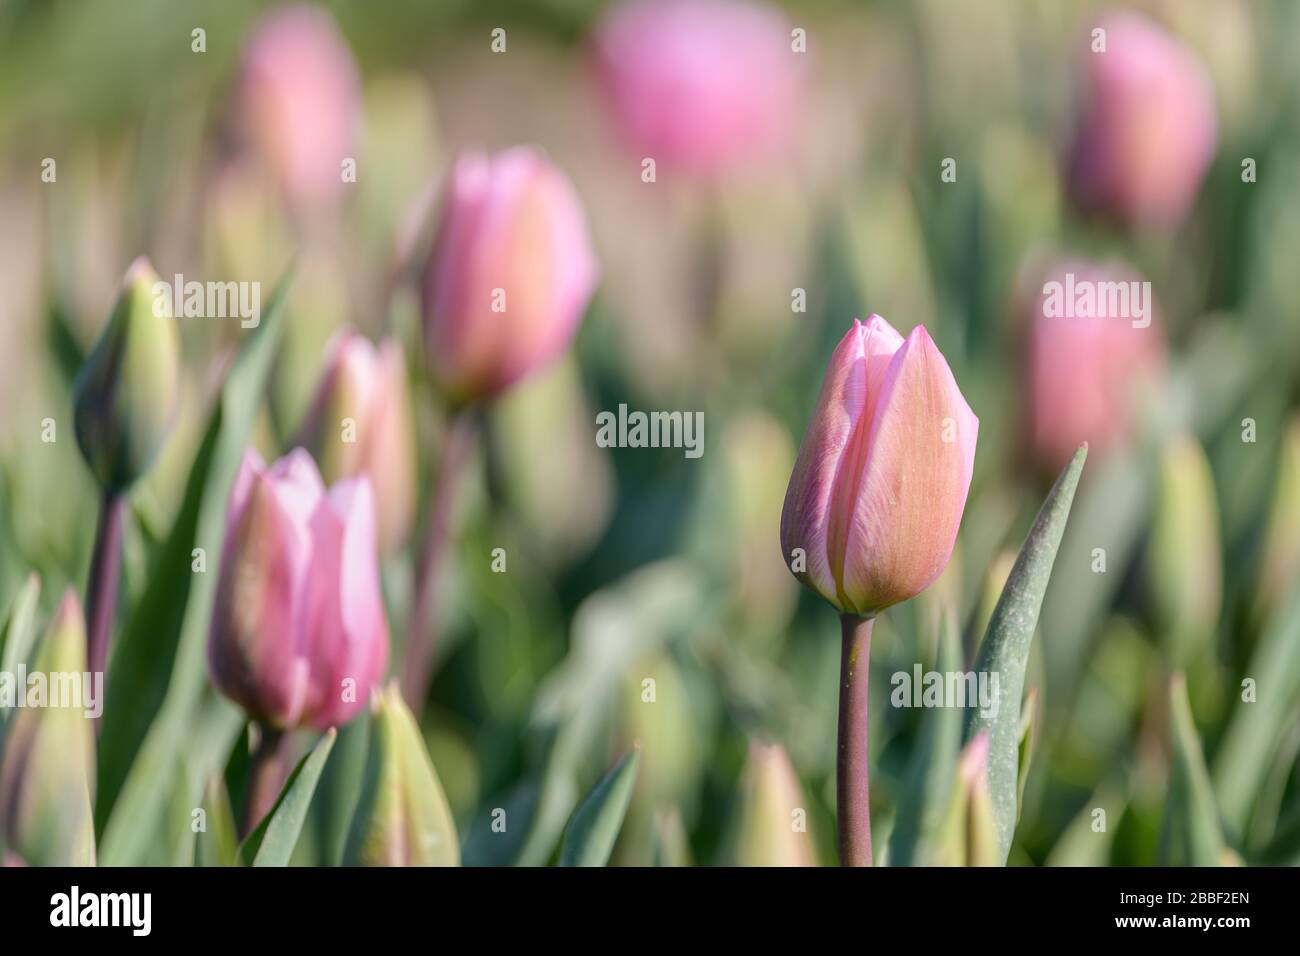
point(649, 433)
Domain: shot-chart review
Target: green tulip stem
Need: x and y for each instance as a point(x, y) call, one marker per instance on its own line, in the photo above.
point(422, 624)
point(101, 589)
point(266, 775)
point(852, 776)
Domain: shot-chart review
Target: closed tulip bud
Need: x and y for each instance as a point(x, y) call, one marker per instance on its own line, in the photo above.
point(880, 482)
point(299, 634)
point(1149, 131)
point(1186, 569)
point(360, 423)
point(402, 817)
point(774, 822)
point(1095, 346)
point(299, 100)
point(704, 86)
point(510, 273)
point(48, 772)
point(126, 393)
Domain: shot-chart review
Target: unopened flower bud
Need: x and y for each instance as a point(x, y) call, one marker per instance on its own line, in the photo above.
point(48, 771)
point(126, 393)
point(879, 487)
point(360, 423)
point(510, 274)
point(402, 817)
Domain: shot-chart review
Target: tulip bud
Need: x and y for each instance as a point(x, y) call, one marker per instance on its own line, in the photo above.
point(1279, 567)
point(299, 634)
point(402, 817)
point(126, 393)
point(360, 423)
point(1150, 129)
point(774, 822)
point(1186, 569)
point(704, 86)
point(969, 833)
point(48, 771)
point(1095, 345)
point(510, 273)
point(879, 486)
point(300, 101)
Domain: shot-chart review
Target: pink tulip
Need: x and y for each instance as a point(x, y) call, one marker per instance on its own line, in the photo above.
point(360, 423)
point(1085, 368)
point(300, 101)
point(1149, 133)
point(299, 633)
point(705, 86)
point(510, 274)
point(881, 479)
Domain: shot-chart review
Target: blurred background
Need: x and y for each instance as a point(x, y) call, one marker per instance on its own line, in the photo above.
point(924, 165)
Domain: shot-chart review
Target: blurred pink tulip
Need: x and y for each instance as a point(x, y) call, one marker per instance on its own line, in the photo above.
point(510, 274)
point(705, 86)
point(879, 486)
point(1085, 367)
point(360, 423)
point(300, 101)
point(1149, 131)
point(299, 633)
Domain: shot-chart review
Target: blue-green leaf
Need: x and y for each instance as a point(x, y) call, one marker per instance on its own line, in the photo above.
point(1005, 648)
point(272, 841)
point(593, 828)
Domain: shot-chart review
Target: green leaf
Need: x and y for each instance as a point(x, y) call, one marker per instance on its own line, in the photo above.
point(1005, 648)
point(339, 789)
point(625, 621)
point(1025, 750)
point(1250, 743)
point(156, 674)
point(593, 828)
point(272, 841)
point(218, 844)
point(927, 789)
point(1191, 834)
point(19, 630)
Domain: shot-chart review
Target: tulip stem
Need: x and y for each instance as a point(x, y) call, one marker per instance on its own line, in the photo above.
point(101, 589)
point(852, 777)
point(265, 775)
point(422, 625)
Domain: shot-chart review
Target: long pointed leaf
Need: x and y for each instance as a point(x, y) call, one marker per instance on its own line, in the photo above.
point(1005, 648)
point(593, 828)
point(1250, 743)
point(156, 673)
point(1192, 835)
point(272, 841)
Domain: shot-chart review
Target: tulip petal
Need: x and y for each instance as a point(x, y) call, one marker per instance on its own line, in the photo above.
point(346, 626)
point(909, 502)
point(254, 655)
